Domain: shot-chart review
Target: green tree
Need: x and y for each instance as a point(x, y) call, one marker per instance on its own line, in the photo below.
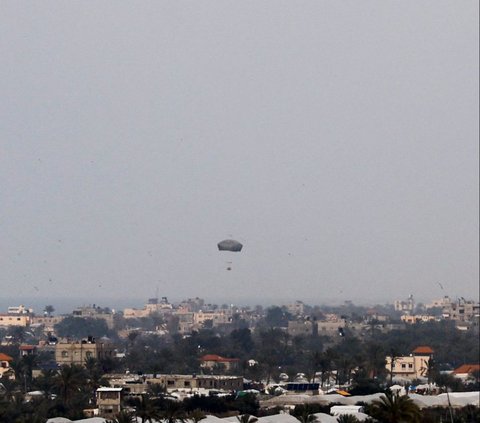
point(307, 417)
point(147, 410)
point(393, 408)
point(81, 327)
point(196, 415)
point(246, 418)
point(172, 413)
point(68, 383)
point(123, 417)
point(347, 418)
point(49, 309)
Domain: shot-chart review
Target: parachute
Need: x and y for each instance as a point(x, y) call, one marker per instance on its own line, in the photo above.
point(230, 245)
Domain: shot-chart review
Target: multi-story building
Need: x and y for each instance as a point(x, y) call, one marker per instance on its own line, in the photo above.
point(296, 308)
point(153, 306)
point(405, 305)
point(139, 385)
point(77, 352)
point(109, 401)
point(95, 312)
point(48, 322)
point(413, 366)
point(462, 310)
point(15, 320)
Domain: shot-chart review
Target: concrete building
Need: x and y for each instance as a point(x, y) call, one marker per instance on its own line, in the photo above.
point(153, 306)
point(68, 353)
point(7, 320)
point(418, 318)
point(139, 384)
point(212, 361)
point(296, 308)
point(95, 312)
point(413, 366)
point(462, 310)
point(467, 371)
point(109, 401)
point(405, 305)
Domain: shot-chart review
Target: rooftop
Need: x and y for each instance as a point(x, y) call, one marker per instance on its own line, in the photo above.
point(467, 368)
point(218, 358)
point(423, 350)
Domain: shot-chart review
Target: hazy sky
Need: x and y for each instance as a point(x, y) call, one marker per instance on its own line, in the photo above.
point(337, 140)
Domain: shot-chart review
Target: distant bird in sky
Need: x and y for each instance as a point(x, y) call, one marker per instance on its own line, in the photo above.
point(441, 286)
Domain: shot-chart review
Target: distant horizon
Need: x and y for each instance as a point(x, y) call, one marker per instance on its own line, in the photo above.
point(64, 305)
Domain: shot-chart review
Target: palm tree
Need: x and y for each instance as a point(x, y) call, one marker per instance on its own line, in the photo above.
point(147, 410)
point(347, 418)
point(123, 417)
point(196, 415)
point(94, 374)
point(393, 408)
point(246, 418)
point(393, 358)
point(68, 381)
point(307, 417)
point(172, 412)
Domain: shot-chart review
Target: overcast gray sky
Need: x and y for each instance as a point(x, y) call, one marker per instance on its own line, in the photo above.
point(337, 140)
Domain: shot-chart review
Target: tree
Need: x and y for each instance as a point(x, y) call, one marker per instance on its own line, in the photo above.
point(146, 409)
point(393, 358)
point(49, 309)
point(172, 413)
point(347, 418)
point(123, 417)
point(81, 327)
point(246, 418)
point(307, 417)
point(68, 382)
point(393, 408)
point(196, 415)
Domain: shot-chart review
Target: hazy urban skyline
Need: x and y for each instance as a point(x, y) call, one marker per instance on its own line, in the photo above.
point(338, 141)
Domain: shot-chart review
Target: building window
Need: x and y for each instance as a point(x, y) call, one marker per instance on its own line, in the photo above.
point(404, 366)
point(170, 382)
point(64, 353)
point(410, 366)
point(186, 384)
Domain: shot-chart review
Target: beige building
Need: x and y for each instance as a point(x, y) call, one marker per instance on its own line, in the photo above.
point(211, 361)
point(413, 366)
point(405, 305)
point(417, 318)
point(179, 382)
point(153, 306)
point(47, 321)
point(68, 353)
point(297, 308)
point(15, 320)
point(109, 401)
